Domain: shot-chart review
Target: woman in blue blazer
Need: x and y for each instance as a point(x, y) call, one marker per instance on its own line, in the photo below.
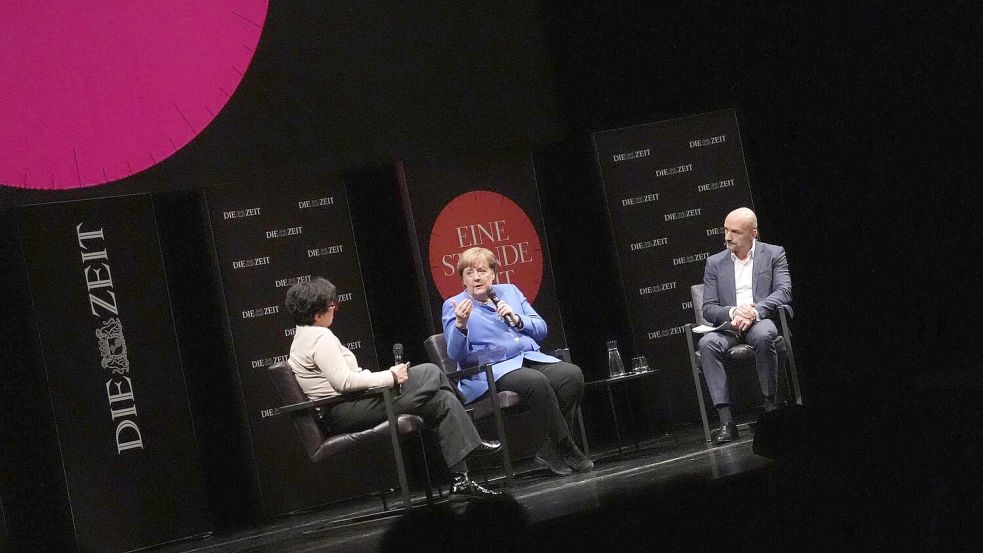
point(496, 324)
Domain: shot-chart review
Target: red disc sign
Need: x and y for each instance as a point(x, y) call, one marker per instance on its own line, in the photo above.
point(489, 220)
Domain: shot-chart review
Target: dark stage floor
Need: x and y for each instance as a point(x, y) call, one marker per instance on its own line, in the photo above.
point(611, 505)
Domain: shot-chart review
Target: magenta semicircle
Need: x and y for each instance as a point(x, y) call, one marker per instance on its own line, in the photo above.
point(96, 91)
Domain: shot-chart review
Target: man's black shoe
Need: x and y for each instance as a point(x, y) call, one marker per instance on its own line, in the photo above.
point(550, 458)
point(464, 485)
point(574, 458)
point(487, 447)
point(725, 434)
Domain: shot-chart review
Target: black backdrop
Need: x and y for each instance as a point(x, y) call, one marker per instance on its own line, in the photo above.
point(669, 186)
point(857, 122)
point(265, 242)
point(860, 130)
point(114, 381)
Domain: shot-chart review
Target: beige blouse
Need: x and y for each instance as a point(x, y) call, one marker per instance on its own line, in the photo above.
point(325, 368)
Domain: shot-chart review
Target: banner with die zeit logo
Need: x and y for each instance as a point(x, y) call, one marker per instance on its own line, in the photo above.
point(669, 186)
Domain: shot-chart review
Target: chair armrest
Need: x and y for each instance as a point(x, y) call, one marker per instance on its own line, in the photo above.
point(330, 401)
point(466, 372)
point(784, 314)
point(563, 354)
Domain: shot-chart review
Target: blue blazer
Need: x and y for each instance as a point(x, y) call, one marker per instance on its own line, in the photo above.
point(771, 284)
point(486, 331)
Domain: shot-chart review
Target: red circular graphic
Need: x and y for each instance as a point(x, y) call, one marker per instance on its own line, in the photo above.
point(490, 220)
point(96, 91)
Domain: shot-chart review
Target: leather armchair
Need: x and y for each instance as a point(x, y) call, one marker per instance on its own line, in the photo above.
point(740, 356)
point(526, 432)
point(321, 446)
point(494, 404)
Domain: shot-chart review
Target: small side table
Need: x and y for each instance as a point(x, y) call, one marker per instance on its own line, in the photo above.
point(609, 383)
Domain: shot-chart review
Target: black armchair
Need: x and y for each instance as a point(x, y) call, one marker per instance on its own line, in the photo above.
point(321, 446)
point(529, 433)
point(492, 405)
point(741, 356)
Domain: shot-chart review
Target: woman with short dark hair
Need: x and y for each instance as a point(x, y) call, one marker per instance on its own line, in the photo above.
point(326, 368)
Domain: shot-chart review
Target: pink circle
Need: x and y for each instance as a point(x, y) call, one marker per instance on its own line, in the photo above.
point(96, 91)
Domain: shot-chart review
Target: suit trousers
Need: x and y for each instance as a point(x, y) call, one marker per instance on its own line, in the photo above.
point(430, 395)
point(713, 345)
point(553, 392)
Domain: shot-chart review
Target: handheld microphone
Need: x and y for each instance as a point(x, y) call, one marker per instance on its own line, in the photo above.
point(512, 320)
point(398, 358)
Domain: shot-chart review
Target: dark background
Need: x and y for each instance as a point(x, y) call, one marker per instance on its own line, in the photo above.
point(859, 127)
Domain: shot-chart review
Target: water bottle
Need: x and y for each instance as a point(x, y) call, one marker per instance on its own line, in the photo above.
point(615, 366)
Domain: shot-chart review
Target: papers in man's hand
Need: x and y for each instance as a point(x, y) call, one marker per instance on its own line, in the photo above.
point(703, 329)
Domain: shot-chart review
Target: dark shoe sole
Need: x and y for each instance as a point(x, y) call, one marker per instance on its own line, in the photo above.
point(565, 471)
point(721, 441)
point(585, 466)
point(482, 452)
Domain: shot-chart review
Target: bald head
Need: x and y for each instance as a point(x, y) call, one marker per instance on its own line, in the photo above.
point(740, 230)
point(743, 216)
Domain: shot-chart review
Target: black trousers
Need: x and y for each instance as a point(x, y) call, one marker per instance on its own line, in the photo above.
point(552, 390)
point(430, 395)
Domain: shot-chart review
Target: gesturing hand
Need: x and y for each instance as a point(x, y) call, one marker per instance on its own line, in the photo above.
point(462, 311)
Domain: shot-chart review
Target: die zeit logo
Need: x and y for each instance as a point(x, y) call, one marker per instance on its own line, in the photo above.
point(489, 220)
point(110, 337)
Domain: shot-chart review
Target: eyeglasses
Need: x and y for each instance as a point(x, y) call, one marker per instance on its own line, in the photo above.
point(336, 305)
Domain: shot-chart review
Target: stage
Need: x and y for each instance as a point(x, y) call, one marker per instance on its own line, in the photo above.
point(618, 503)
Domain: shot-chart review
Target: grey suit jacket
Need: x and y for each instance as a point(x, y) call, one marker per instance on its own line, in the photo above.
point(771, 284)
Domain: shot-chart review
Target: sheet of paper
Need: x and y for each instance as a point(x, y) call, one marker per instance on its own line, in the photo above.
point(703, 329)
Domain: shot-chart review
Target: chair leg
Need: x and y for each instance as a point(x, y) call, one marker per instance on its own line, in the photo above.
point(790, 356)
point(397, 449)
point(691, 347)
point(426, 468)
point(499, 425)
point(583, 432)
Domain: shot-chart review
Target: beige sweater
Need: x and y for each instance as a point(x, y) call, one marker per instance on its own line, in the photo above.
point(325, 368)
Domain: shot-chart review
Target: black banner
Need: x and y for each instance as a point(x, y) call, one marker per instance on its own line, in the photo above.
point(113, 372)
point(488, 200)
point(669, 186)
point(267, 238)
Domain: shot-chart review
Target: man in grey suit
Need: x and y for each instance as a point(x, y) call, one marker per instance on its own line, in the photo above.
point(742, 285)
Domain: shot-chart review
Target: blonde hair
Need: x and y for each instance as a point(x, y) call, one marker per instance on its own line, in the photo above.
point(475, 256)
